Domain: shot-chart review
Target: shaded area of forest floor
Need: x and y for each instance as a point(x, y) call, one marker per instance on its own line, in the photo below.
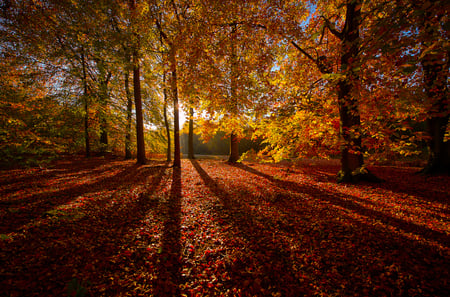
point(213, 229)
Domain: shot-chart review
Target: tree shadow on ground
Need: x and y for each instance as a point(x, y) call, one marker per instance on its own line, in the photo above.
point(353, 203)
point(169, 259)
point(275, 274)
point(407, 181)
point(26, 210)
point(48, 256)
point(403, 180)
point(65, 165)
point(387, 237)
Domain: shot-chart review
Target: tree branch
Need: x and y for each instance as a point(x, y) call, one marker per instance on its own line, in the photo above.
point(332, 29)
point(303, 51)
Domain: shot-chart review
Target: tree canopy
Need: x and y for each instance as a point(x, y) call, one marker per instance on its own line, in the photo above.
point(363, 80)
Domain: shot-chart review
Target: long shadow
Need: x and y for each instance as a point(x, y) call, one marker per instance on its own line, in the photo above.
point(410, 182)
point(169, 261)
point(68, 247)
point(398, 180)
point(259, 242)
point(35, 206)
point(62, 165)
point(427, 266)
point(350, 204)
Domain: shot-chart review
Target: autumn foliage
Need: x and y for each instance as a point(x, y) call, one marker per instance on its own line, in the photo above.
point(301, 89)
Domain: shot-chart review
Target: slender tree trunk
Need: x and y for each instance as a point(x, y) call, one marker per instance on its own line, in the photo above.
point(176, 128)
point(137, 88)
point(166, 121)
point(86, 107)
point(234, 139)
point(191, 133)
point(138, 106)
point(103, 113)
point(129, 116)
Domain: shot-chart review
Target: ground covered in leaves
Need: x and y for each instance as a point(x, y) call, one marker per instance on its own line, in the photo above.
point(109, 227)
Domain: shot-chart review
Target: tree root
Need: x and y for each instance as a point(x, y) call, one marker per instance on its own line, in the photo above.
point(358, 175)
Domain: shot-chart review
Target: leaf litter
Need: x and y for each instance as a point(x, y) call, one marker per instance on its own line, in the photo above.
point(109, 227)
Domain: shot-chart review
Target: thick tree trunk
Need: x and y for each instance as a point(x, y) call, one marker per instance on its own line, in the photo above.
point(86, 107)
point(166, 121)
point(138, 106)
point(439, 150)
point(352, 161)
point(176, 128)
point(435, 80)
point(351, 151)
point(234, 148)
point(129, 116)
point(191, 134)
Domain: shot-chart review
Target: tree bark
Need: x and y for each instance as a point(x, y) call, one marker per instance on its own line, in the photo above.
point(86, 106)
point(435, 76)
point(166, 121)
point(234, 148)
point(140, 141)
point(129, 116)
point(103, 94)
point(176, 128)
point(234, 139)
point(138, 106)
point(352, 161)
point(435, 80)
point(191, 134)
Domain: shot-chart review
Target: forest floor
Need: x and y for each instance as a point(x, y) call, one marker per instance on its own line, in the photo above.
point(110, 227)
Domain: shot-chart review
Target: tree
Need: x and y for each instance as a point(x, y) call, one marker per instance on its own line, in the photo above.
point(435, 61)
point(234, 140)
point(166, 120)
point(171, 34)
point(141, 158)
point(129, 115)
point(191, 134)
point(224, 64)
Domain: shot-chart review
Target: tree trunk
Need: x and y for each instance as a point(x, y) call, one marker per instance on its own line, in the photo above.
point(435, 80)
point(435, 76)
point(439, 150)
point(234, 148)
point(351, 151)
point(176, 128)
point(86, 107)
point(191, 134)
point(129, 116)
point(234, 139)
point(103, 114)
point(138, 106)
point(166, 121)
point(352, 161)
